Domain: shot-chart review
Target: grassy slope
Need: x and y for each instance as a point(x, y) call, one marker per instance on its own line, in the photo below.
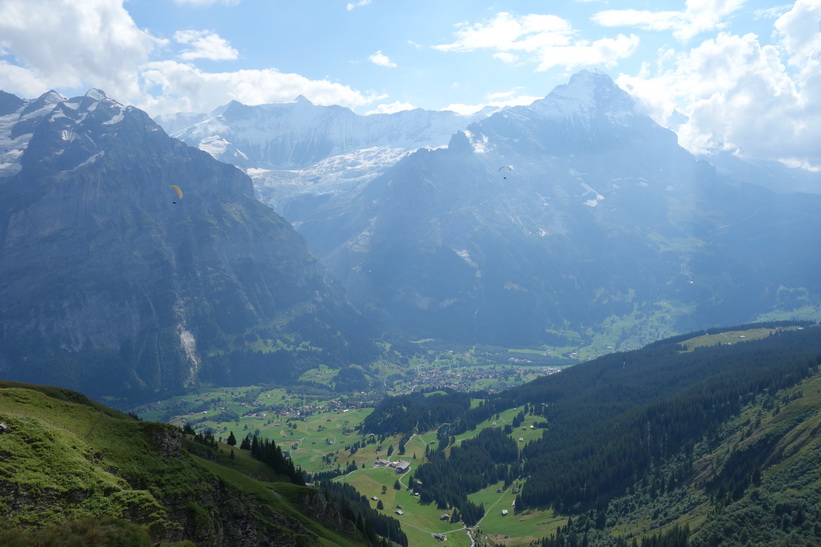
point(66, 458)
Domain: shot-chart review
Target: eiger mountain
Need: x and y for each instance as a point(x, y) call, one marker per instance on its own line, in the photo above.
point(573, 221)
point(115, 285)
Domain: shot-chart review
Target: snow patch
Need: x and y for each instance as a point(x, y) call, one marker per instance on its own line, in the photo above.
point(465, 255)
point(90, 160)
point(117, 118)
point(214, 145)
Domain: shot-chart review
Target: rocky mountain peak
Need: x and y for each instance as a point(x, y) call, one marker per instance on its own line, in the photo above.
point(587, 95)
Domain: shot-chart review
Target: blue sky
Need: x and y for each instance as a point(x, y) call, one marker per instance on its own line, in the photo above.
point(736, 75)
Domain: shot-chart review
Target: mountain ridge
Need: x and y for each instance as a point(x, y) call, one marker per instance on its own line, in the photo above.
point(116, 283)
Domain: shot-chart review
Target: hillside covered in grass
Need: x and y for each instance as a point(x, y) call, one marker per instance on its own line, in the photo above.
point(71, 468)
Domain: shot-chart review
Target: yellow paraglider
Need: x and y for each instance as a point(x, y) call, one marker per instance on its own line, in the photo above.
point(177, 190)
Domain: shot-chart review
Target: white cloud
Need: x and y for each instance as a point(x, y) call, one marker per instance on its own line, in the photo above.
point(352, 5)
point(759, 100)
point(548, 40)
point(506, 57)
point(71, 46)
point(22, 81)
point(206, 45)
point(698, 16)
point(606, 52)
point(380, 59)
point(391, 108)
point(66, 44)
point(771, 13)
point(182, 87)
point(506, 32)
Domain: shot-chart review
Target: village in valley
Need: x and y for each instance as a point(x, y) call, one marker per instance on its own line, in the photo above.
point(320, 430)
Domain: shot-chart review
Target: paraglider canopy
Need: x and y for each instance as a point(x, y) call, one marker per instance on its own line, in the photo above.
point(505, 168)
point(177, 190)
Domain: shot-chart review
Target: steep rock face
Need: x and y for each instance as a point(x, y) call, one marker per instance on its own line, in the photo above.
point(571, 218)
point(113, 283)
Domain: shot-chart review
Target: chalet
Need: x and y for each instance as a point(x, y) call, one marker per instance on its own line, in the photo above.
point(504, 512)
point(400, 512)
point(444, 516)
point(402, 467)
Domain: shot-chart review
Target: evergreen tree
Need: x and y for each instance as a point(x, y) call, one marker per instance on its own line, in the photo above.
point(232, 441)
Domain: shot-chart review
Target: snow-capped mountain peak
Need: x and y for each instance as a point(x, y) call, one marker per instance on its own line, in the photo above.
point(588, 94)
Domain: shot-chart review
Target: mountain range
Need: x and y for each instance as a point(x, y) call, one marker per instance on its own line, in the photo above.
point(135, 265)
point(575, 221)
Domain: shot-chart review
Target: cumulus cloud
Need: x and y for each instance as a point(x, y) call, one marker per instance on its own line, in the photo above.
point(548, 40)
point(182, 87)
point(757, 100)
point(70, 45)
point(380, 59)
point(205, 45)
point(66, 44)
point(698, 16)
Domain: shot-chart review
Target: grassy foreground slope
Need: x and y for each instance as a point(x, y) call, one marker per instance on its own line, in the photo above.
point(76, 467)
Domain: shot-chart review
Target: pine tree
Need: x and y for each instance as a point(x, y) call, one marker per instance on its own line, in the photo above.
point(232, 441)
point(245, 444)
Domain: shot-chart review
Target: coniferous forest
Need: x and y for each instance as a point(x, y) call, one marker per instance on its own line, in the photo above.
point(624, 426)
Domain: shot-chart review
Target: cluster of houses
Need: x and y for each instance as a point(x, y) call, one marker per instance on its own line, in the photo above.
point(400, 466)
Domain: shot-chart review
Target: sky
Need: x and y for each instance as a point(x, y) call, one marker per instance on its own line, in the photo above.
point(742, 76)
